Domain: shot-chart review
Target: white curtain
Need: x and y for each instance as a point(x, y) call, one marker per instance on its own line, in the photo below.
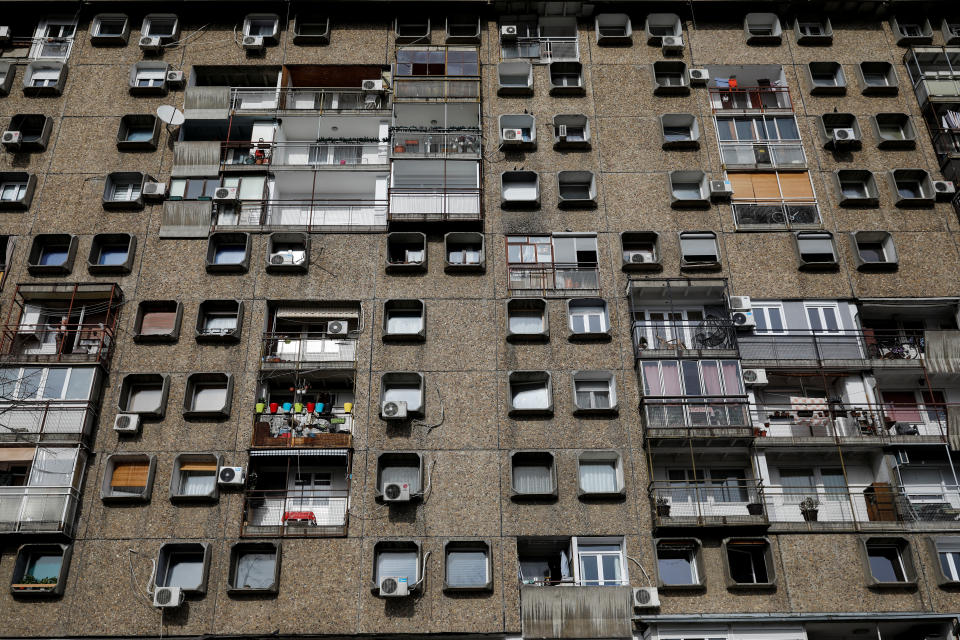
point(532, 479)
point(197, 483)
point(397, 563)
point(466, 568)
point(598, 477)
point(530, 396)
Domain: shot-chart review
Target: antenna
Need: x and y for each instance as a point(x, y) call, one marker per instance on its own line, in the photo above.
point(172, 116)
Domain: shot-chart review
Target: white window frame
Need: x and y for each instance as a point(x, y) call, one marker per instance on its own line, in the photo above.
point(259, 18)
point(692, 559)
point(150, 20)
point(125, 191)
point(18, 189)
point(819, 307)
point(18, 381)
point(41, 38)
point(45, 77)
point(762, 310)
point(154, 78)
point(594, 391)
point(950, 548)
point(586, 314)
point(900, 562)
point(685, 393)
point(578, 555)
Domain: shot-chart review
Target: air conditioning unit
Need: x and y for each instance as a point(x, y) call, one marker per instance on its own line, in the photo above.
point(231, 477)
point(4, 34)
point(741, 303)
point(755, 377)
point(396, 492)
point(154, 189)
point(508, 32)
point(167, 597)
point(225, 194)
point(561, 132)
point(253, 43)
point(645, 598)
point(372, 85)
point(845, 134)
point(393, 410)
point(637, 257)
point(175, 78)
point(671, 43)
point(151, 43)
point(12, 139)
point(394, 587)
point(126, 423)
point(720, 189)
point(512, 136)
point(944, 189)
point(743, 319)
point(337, 328)
point(699, 76)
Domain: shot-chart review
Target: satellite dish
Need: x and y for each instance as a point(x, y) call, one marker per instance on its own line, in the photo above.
point(170, 115)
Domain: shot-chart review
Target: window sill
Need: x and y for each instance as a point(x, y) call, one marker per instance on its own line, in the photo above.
point(410, 267)
point(828, 90)
point(815, 41)
point(210, 497)
point(14, 205)
point(880, 90)
point(893, 586)
point(109, 269)
point(533, 497)
point(125, 499)
point(528, 337)
point(404, 337)
point(700, 266)
point(680, 203)
point(149, 415)
point(769, 40)
point(477, 589)
point(590, 336)
point(906, 41)
point(299, 39)
point(568, 91)
point(683, 587)
point(227, 268)
point(42, 92)
point(137, 145)
point(221, 338)
point(588, 496)
point(545, 412)
point(820, 267)
point(514, 90)
point(520, 204)
point(897, 144)
point(119, 40)
point(759, 586)
point(49, 269)
point(878, 266)
point(642, 266)
point(587, 203)
point(872, 202)
point(611, 411)
point(249, 591)
point(914, 203)
point(123, 205)
point(677, 145)
point(671, 90)
point(219, 414)
point(478, 267)
point(140, 338)
point(149, 91)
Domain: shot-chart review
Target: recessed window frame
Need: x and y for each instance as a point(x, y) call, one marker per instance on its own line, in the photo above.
point(117, 39)
point(146, 307)
point(409, 29)
point(44, 78)
point(220, 240)
point(114, 461)
point(945, 556)
point(294, 249)
point(672, 126)
point(685, 257)
point(830, 121)
point(693, 549)
point(590, 382)
point(411, 246)
point(16, 190)
point(148, 78)
point(135, 382)
point(613, 29)
point(263, 548)
point(762, 28)
point(826, 78)
point(528, 307)
point(173, 551)
point(657, 26)
point(911, 32)
point(196, 384)
point(467, 29)
point(604, 456)
point(471, 242)
point(35, 129)
point(515, 77)
point(805, 34)
point(519, 189)
point(749, 545)
point(112, 241)
point(924, 196)
point(142, 123)
point(26, 557)
point(882, 546)
point(271, 38)
point(472, 546)
point(860, 239)
point(633, 242)
point(866, 193)
point(405, 460)
point(184, 463)
point(404, 308)
point(320, 36)
point(670, 77)
point(123, 191)
point(867, 70)
point(531, 380)
point(43, 243)
point(950, 28)
point(213, 309)
point(529, 459)
point(576, 189)
point(152, 22)
point(681, 193)
point(577, 121)
point(582, 318)
point(398, 546)
point(7, 72)
point(805, 263)
point(405, 380)
point(527, 125)
point(566, 78)
point(904, 122)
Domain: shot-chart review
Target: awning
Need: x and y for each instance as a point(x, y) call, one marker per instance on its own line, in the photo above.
point(678, 290)
point(17, 454)
point(318, 311)
point(298, 452)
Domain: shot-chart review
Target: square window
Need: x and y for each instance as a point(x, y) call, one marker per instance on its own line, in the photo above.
point(688, 189)
point(571, 130)
point(827, 78)
point(128, 477)
point(194, 477)
point(157, 321)
point(946, 551)
point(815, 249)
point(527, 319)
point(594, 391)
point(312, 29)
point(519, 189)
point(467, 565)
point(403, 319)
point(533, 474)
point(749, 562)
point(600, 474)
point(400, 468)
point(406, 251)
point(913, 186)
point(888, 560)
point(13, 191)
point(254, 567)
point(403, 386)
point(576, 188)
point(530, 392)
point(399, 559)
point(464, 251)
point(228, 253)
point(40, 569)
point(160, 25)
point(678, 563)
point(183, 565)
point(601, 563)
point(699, 248)
point(111, 26)
point(208, 395)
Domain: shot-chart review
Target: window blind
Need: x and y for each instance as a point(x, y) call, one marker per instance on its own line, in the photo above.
point(130, 474)
point(198, 466)
point(397, 563)
point(466, 568)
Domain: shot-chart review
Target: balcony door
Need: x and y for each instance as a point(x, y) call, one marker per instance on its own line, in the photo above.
point(671, 329)
point(708, 492)
point(319, 491)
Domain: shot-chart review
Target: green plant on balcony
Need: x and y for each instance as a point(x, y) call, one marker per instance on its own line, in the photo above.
point(663, 507)
point(809, 508)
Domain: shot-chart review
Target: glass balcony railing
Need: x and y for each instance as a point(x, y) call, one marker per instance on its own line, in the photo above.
point(751, 99)
point(38, 509)
point(762, 155)
point(554, 279)
point(306, 99)
point(302, 154)
point(314, 350)
point(778, 214)
point(436, 144)
point(307, 214)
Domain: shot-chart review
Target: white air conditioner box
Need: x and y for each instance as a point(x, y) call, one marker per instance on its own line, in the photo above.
point(394, 587)
point(645, 598)
point(285, 257)
point(231, 477)
point(167, 597)
point(741, 303)
point(720, 189)
point(337, 328)
point(393, 410)
point(944, 189)
point(372, 85)
point(637, 257)
point(743, 319)
point(175, 78)
point(396, 492)
point(154, 189)
point(126, 423)
point(699, 76)
point(671, 43)
point(508, 32)
point(253, 43)
point(512, 136)
point(225, 194)
point(12, 139)
point(844, 134)
point(754, 377)
point(151, 43)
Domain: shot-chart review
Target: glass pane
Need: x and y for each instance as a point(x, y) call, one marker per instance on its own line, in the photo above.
point(676, 567)
point(611, 568)
point(184, 570)
point(255, 570)
point(53, 388)
point(210, 398)
point(144, 399)
point(466, 568)
point(43, 566)
point(526, 321)
point(589, 570)
point(404, 321)
point(598, 476)
point(30, 383)
point(885, 564)
point(397, 563)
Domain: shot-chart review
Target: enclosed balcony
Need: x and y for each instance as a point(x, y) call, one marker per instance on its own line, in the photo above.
point(40, 489)
point(664, 334)
point(435, 191)
point(935, 73)
point(718, 420)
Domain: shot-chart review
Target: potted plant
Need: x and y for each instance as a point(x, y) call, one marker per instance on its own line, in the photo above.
point(261, 405)
point(30, 583)
point(663, 507)
point(809, 509)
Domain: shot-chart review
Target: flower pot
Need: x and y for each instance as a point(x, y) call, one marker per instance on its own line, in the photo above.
point(274, 407)
point(347, 407)
point(809, 515)
point(287, 406)
point(399, 148)
point(755, 508)
point(260, 406)
point(311, 406)
point(298, 407)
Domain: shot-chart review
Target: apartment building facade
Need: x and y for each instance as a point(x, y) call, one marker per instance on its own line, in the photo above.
point(487, 319)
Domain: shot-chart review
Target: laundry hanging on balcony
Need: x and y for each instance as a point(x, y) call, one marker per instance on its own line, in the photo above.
point(941, 351)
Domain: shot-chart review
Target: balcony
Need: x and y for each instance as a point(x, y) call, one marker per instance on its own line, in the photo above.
point(712, 338)
point(300, 100)
point(554, 280)
point(543, 50)
point(461, 145)
point(298, 155)
point(694, 504)
point(707, 420)
point(46, 422)
point(812, 420)
point(419, 89)
point(751, 100)
point(766, 155)
point(779, 214)
point(68, 343)
point(887, 349)
point(36, 510)
point(307, 350)
point(307, 431)
point(575, 611)
point(355, 215)
point(410, 204)
point(316, 513)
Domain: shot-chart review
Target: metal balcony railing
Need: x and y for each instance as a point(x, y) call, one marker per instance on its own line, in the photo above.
point(763, 155)
point(680, 414)
point(657, 339)
point(302, 154)
point(728, 501)
point(302, 99)
point(315, 349)
point(543, 50)
point(801, 214)
point(307, 214)
point(295, 513)
point(421, 89)
point(74, 343)
point(435, 205)
point(554, 279)
point(45, 422)
point(330, 430)
point(436, 144)
point(818, 418)
point(751, 99)
point(946, 142)
point(888, 346)
point(38, 509)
